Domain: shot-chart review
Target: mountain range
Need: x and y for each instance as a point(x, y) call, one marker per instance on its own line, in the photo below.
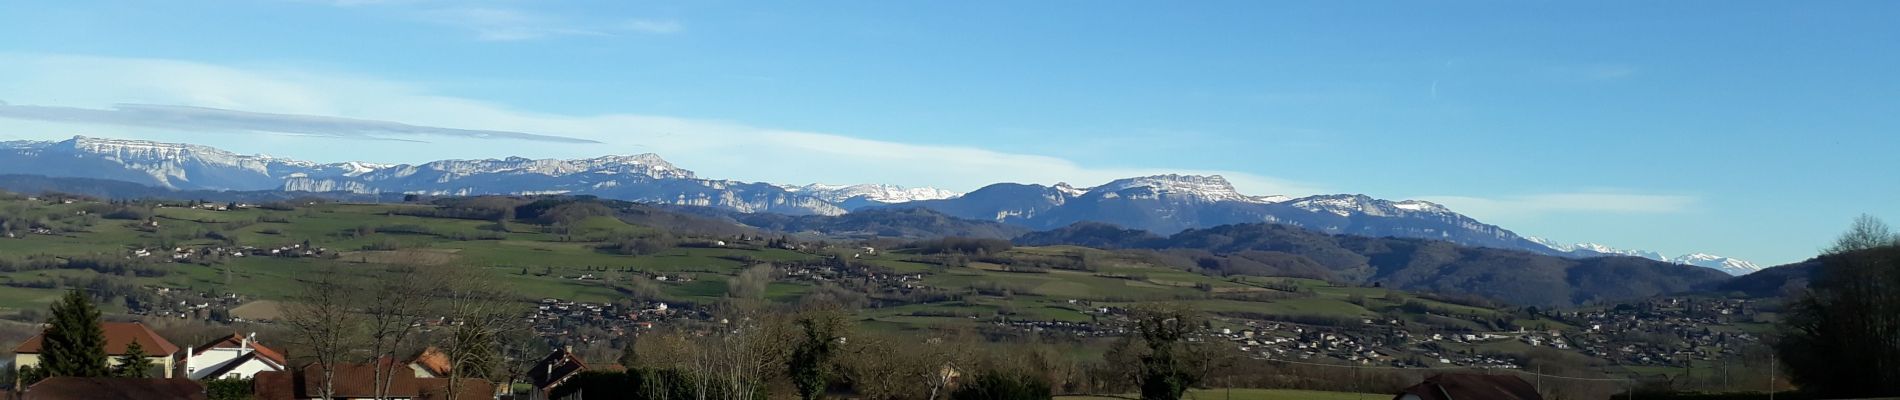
point(1164, 204)
point(1582, 250)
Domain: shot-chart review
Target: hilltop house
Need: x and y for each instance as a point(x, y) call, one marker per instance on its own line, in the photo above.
point(230, 357)
point(119, 335)
point(552, 371)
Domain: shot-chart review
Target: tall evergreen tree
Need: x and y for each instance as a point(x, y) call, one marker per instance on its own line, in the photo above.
point(74, 344)
point(134, 363)
point(629, 357)
point(810, 364)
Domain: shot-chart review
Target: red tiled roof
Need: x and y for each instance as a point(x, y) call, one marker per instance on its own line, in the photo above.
point(359, 380)
point(274, 385)
point(356, 380)
point(468, 388)
point(434, 360)
point(118, 336)
point(71, 388)
point(235, 341)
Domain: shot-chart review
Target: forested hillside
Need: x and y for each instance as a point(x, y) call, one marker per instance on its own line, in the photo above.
point(1413, 264)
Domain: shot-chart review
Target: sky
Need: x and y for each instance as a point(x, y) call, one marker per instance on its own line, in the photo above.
point(1754, 130)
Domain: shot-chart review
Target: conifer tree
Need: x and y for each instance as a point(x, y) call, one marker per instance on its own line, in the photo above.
point(629, 357)
point(134, 363)
point(74, 344)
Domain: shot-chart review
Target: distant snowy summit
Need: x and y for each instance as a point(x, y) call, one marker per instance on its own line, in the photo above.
point(1210, 188)
point(1727, 265)
point(1162, 204)
point(880, 193)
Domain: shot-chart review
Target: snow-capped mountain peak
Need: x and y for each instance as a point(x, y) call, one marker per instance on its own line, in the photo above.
point(1211, 188)
point(881, 193)
point(1070, 190)
point(1727, 265)
point(1350, 204)
point(1553, 245)
point(1719, 263)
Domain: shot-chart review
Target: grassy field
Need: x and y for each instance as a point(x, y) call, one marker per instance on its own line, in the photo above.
point(536, 261)
point(1249, 394)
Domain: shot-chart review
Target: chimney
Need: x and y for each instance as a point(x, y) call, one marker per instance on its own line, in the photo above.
point(246, 343)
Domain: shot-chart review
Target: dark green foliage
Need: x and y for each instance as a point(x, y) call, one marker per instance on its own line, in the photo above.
point(74, 344)
point(1411, 264)
point(645, 384)
point(811, 362)
point(228, 389)
point(1648, 395)
point(629, 357)
point(997, 385)
point(28, 375)
point(965, 246)
point(639, 246)
point(1169, 367)
point(133, 364)
point(1838, 341)
point(1091, 234)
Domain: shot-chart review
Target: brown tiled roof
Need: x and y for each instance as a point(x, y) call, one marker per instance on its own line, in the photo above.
point(359, 380)
point(118, 336)
point(351, 380)
point(274, 385)
point(71, 388)
point(1472, 386)
point(304, 385)
point(235, 341)
point(468, 388)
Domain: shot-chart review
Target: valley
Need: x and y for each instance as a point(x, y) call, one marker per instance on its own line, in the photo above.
point(591, 273)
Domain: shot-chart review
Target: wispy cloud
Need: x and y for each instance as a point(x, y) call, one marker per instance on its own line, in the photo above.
point(714, 148)
point(1535, 205)
point(218, 119)
point(510, 24)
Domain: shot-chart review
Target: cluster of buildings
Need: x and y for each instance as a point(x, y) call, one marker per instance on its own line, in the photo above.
point(854, 276)
point(578, 322)
point(213, 253)
point(186, 304)
point(1381, 345)
point(182, 373)
point(1665, 331)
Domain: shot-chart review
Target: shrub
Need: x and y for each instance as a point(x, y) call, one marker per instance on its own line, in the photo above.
point(994, 385)
point(228, 389)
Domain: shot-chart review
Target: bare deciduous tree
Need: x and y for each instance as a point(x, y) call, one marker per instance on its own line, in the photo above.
point(323, 320)
point(482, 316)
point(398, 302)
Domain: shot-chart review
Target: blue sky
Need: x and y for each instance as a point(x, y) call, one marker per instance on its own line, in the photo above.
point(1749, 129)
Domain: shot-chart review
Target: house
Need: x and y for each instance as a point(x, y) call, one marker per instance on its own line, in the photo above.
point(358, 381)
point(72, 388)
point(554, 370)
point(1470, 387)
point(230, 357)
point(119, 336)
point(430, 363)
